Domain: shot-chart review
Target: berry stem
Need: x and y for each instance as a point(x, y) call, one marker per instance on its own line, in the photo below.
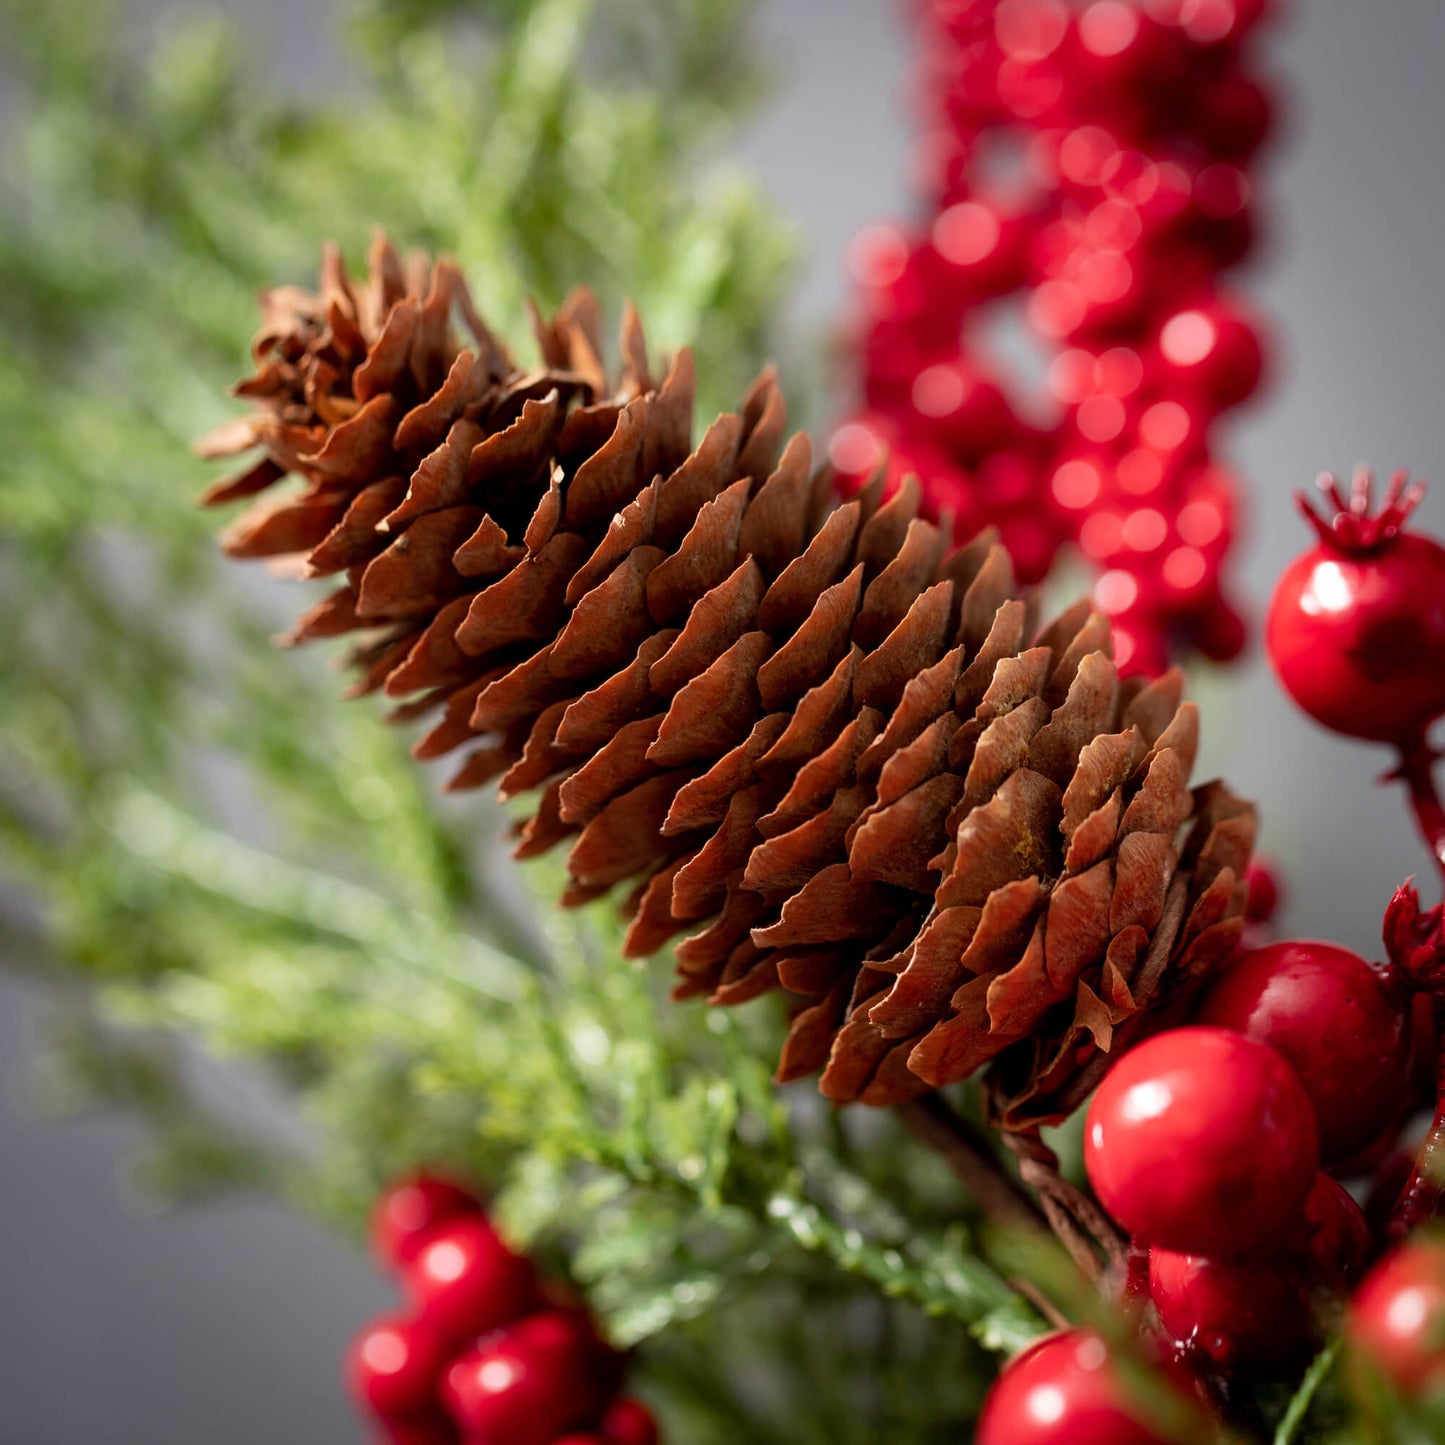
point(1417, 772)
point(1092, 1239)
point(1421, 1197)
point(965, 1150)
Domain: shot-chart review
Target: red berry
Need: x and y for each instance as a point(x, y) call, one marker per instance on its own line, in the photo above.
point(528, 1384)
point(1063, 1390)
point(1258, 1317)
point(466, 1281)
point(1262, 881)
point(1243, 1318)
point(1356, 626)
point(1202, 1141)
point(1337, 1021)
point(394, 1366)
point(433, 1429)
point(408, 1211)
point(629, 1422)
point(586, 1438)
point(1387, 1182)
point(1213, 351)
point(1397, 1317)
point(1337, 1244)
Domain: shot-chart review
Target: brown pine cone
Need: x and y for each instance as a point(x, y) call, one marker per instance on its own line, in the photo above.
point(835, 751)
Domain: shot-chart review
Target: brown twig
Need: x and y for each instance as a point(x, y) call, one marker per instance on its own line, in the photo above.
point(967, 1152)
point(1091, 1237)
point(1417, 772)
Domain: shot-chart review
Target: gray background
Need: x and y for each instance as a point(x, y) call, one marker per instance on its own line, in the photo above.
point(226, 1324)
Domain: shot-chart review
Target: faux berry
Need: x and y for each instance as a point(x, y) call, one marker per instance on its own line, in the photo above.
point(1260, 1317)
point(1262, 881)
point(1063, 1390)
point(1397, 1317)
point(407, 1213)
point(1337, 1240)
point(1202, 1141)
point(1242, 1318)
point(1387, 1182)
point(629, 1422)
point(1356, 626)
point(1212, 351)
point(435, 1429)
point(466, 1281)
point(395, 1365)
point(1342, 1025)
point(528, 1384)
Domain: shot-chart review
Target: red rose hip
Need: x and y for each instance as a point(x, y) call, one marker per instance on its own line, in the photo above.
point(1397, 1317)
point(1063, 1390)
point(1202, 1141)
point(466, 1281)
point(1356, 626)
point(1337, 1021)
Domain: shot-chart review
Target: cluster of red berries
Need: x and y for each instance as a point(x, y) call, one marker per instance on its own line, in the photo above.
point(1087, 166)
point(487, 1354)
point(1069, 1388)
point(1207, 1144)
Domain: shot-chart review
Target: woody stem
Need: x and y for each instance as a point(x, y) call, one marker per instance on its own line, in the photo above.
point(1417, 772)
point(968, 1154)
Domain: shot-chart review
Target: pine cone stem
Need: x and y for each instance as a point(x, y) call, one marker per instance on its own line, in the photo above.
point(967, 1152)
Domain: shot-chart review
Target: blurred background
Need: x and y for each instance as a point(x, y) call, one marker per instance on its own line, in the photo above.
point(225, 1322)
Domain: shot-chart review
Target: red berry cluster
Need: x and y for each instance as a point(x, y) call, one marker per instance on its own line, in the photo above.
point(1069, 1389)
point(1089, 165)
point(1202, 1144)
point(486, 1353)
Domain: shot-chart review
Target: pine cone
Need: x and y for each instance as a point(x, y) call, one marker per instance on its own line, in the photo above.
point(809, 733)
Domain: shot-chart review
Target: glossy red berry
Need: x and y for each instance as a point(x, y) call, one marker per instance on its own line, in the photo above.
point(1202, 1141)
point(1397, 1317)
point(433, 1429)
point(1242, 1318)
point(1063, 1390)
point(1337, 1240)
point(1340, 1024)
point(1356, 626)
point(395, 1365)
point(1259, 1317)
point(408, 1211)
point(1212, 351)
point(466, 1281)
point(629, 1422)
point(1262, 881)
point(526, 1385)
